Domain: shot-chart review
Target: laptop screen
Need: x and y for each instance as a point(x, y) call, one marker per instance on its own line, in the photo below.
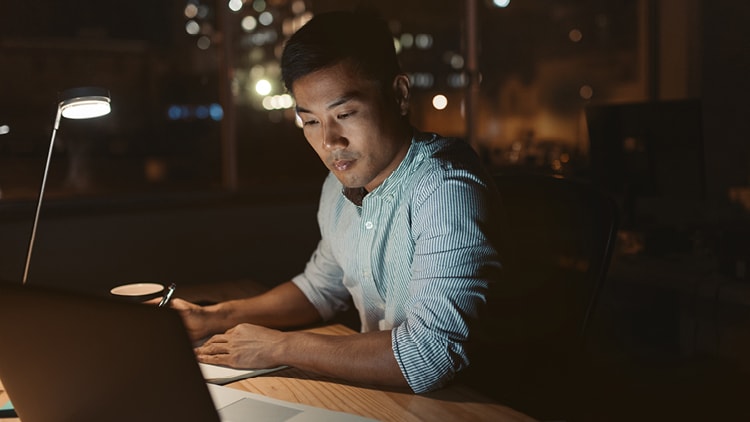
point(68, 356)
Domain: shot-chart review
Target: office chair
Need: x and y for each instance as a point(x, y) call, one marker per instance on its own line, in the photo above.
point(555, 237)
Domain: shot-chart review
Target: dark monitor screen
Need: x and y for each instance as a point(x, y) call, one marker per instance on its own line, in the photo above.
point(649, 152)
point(652, 149)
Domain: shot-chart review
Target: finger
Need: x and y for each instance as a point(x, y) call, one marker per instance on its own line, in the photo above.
point(213, 349)
point(214, 359)
point(218, 338)
point(181, 304)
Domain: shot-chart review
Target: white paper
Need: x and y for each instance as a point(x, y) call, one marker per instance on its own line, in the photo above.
point(221, 375)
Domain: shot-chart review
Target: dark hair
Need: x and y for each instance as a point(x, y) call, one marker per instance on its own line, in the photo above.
point(330, 38)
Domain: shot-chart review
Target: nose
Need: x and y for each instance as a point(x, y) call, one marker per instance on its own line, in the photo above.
point(333, 139)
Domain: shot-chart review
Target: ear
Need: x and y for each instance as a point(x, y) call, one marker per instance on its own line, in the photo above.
point(401, 93)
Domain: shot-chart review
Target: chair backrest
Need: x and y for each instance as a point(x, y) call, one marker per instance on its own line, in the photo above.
point(556, 237)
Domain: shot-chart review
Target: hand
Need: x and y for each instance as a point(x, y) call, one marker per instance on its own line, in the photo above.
point(244, 346)
point(194, 317)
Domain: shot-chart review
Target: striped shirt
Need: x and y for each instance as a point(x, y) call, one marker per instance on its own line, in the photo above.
point(413, 258)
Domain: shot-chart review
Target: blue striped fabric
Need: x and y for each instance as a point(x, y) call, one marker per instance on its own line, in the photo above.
point(413, 257)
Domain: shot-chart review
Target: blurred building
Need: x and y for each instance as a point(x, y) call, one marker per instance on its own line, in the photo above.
point(198, 103)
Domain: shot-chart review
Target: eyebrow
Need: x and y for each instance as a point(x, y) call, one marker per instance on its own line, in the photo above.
point(352, 95)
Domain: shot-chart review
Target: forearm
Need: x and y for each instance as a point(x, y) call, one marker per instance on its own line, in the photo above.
point(366, 358)
point(281, 307)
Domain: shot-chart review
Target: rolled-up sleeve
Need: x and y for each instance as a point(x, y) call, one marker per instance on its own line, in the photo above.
point(321, 280)
point(321, 283)
point(451, 270)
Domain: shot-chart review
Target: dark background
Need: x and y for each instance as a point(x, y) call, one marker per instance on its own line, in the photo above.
point(136, 196)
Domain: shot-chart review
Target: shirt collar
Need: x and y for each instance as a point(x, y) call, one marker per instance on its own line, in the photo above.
point(355, 195)
point(413, 156)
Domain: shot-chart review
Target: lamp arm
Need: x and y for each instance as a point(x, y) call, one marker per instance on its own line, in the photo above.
point(41, 195)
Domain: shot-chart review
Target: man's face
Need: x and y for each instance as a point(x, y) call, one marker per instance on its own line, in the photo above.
point(357, 132)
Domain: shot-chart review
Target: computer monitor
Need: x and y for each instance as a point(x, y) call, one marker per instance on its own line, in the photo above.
point(648, 154)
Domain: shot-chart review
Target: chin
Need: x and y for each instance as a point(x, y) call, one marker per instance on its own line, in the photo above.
point(351, 184)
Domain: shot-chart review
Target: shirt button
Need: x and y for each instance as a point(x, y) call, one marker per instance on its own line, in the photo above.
point(369, 225)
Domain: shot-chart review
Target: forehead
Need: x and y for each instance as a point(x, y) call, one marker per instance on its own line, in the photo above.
point(332, 84)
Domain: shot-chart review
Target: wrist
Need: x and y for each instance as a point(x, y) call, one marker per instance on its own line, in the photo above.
point(287, 347)
point(217, 318)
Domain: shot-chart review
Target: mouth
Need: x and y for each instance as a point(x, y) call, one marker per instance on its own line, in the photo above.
point(342, 165)
point(342, 161)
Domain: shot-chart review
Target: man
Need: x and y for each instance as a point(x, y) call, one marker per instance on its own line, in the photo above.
point(402, 217)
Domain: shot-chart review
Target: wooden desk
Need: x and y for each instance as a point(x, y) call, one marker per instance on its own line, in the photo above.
point(453, 403)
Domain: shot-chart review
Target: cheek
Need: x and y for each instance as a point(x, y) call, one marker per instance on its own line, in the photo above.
point(314, 143)
point(310, 137)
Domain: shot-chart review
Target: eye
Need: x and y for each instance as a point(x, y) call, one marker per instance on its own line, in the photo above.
point(309, 122)
point(345, 114)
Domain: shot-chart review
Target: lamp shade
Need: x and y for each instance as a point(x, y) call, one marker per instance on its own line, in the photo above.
point(84, 103)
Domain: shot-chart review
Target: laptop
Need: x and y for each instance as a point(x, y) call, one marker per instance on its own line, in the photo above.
point(68, 356)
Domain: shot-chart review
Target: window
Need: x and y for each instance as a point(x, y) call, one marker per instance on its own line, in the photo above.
point(198, 103)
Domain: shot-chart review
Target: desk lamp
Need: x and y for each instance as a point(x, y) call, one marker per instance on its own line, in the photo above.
point(75, 103)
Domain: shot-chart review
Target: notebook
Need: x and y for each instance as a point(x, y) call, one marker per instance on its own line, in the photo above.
point(68, 356)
